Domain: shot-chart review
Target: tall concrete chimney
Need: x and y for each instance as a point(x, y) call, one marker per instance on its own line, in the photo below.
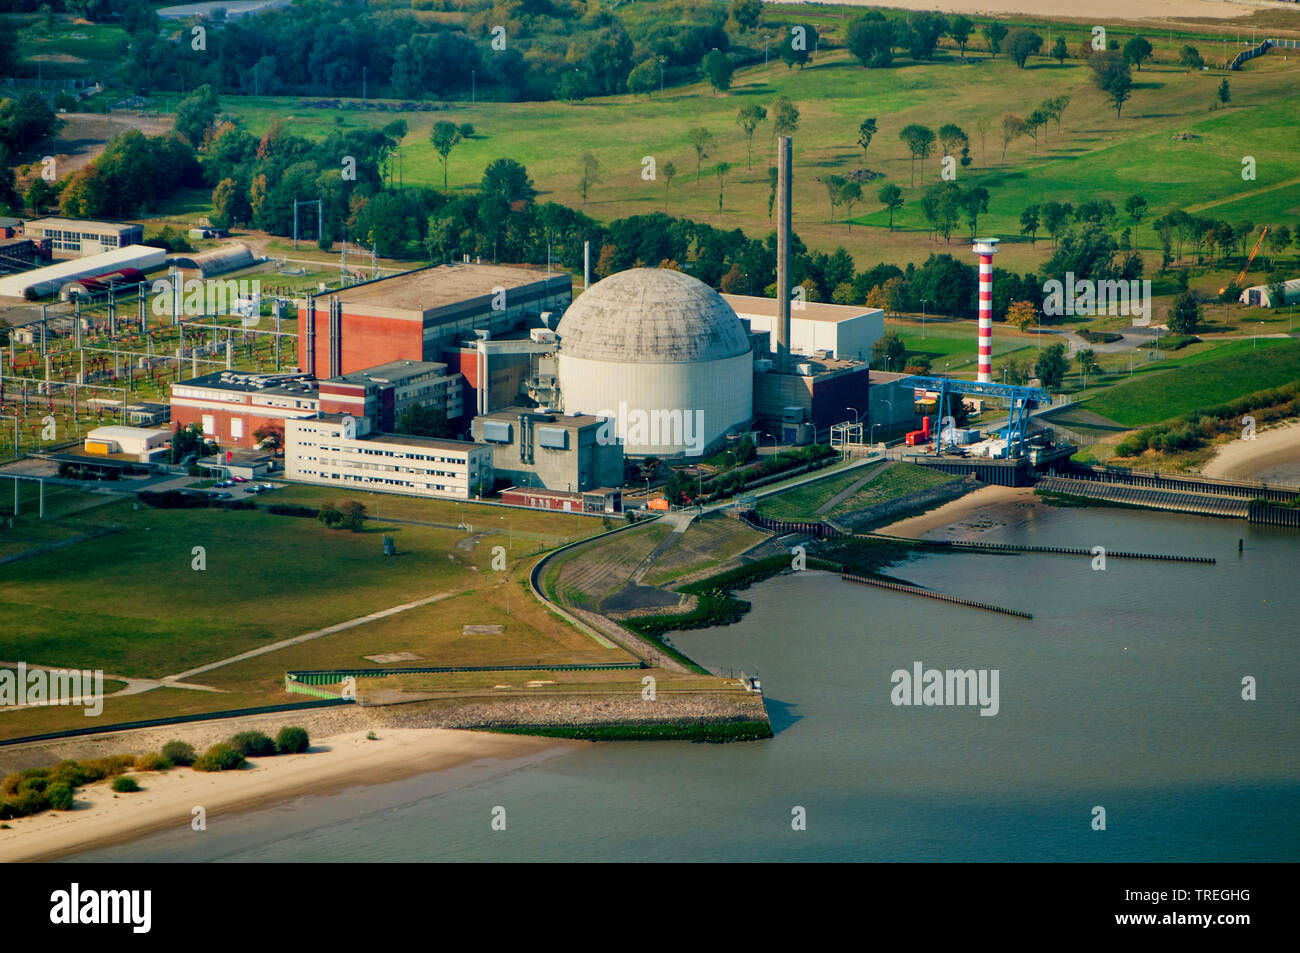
point(783, 177)
point(586, 265)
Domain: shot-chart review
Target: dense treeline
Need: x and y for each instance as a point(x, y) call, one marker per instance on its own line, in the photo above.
point(528, 50)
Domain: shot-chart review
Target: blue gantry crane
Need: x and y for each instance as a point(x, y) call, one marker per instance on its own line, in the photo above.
point(1020, 401)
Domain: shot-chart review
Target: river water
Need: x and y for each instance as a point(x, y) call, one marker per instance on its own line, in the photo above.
point(1124, 692)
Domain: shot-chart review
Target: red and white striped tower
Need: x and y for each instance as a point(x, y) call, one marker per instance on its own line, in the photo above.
point(986, 248)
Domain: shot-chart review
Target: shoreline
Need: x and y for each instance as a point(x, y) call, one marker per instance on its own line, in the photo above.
point(335, 763)
point(968, 516)
point(1274, 456)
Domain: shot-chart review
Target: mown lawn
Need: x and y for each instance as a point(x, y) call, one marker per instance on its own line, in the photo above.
point(1202, 380)
point(132, 603)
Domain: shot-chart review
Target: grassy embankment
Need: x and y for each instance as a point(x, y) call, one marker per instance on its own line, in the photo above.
point(144, 612)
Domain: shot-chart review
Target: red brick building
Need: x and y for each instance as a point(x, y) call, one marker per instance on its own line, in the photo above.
point(414, 316)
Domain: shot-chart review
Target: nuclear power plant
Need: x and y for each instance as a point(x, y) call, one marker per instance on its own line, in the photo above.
point(648, 362)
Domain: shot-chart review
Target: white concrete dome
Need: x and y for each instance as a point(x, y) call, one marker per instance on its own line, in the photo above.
point(653, 315)
point(664, 355)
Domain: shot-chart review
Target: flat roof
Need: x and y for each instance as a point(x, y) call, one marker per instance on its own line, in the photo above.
point(561, 494)
point(569, 422)
point(433, 443)
point(811, 311)
point(245, 382)
point(394, 370)
point(428, 289)
point(118, 432)
point(55, 221)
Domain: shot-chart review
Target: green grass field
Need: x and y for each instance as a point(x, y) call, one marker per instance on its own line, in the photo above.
point(1094, 154)
point(1201, 380)
point(132, 603)
point(802, 502)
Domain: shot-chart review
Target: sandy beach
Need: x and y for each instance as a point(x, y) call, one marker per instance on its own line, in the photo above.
point(333, 763)
point(1272, 457)
point(967, 517)
point(1100, 11)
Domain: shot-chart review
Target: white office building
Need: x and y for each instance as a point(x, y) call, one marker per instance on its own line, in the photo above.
point(341, 450)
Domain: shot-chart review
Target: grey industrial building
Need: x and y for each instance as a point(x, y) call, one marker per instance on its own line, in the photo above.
point(561, 452)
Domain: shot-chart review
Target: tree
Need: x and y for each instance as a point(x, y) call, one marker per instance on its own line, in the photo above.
point(891, 196)
point(850, 195)
point(994, 33)
point(1051, 365)
point(746, 13)
point(1278, 239)
point(444, 137)
point(701, 140)
point(352, 515)
point(952, 138)
point(870, 38)
point(1136, 206)
point(1059, 105)
point(960, 30)
point(270, 437)
point(669, 170)
point(9, 58)
point(507, 180)
point(1016, 370)
point(1185, 315)
point(329, 514)
point(794, 48)
point(1225, 92)
point(748, 118)
point(643, 79)
point(975, 201)
point(719, 69)
point(889, 353)
point(1060, 51)
point(721, 172)
point(1190, 58)
point(424, 420)
point(1086, 358)
point(1021, 314)
point(1136, 50)
point(196, 114)
point(39, 194)
point(1030, 223)
point(785, 117)
point(590, 175)
point(919, 140)
point(833, 185)
point(1012, 126)
point(1022, 44)
point(866, 132)
point(190, 441)
point(1111, 75)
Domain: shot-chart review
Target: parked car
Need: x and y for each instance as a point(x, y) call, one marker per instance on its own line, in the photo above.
point(253, 489)
point(222, 496)
point(239, 479)
point(267, 486)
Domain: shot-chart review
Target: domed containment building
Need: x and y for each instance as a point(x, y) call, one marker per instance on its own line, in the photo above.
point(661, 353)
